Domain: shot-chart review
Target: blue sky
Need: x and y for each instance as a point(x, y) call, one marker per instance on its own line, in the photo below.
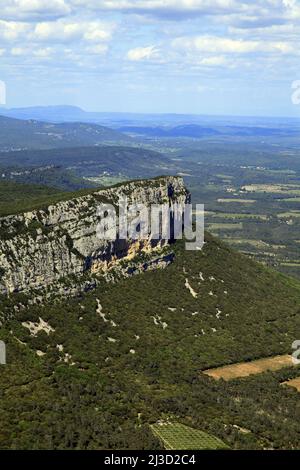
point(185, 56)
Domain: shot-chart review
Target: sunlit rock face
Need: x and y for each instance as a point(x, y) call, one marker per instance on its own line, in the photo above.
point(43, 246)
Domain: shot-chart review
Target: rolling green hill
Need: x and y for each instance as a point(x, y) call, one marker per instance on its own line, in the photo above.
point(94, 161)
point(55, 177)
point(96, 371)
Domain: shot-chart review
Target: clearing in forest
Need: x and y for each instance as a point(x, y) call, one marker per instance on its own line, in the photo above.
point(243, 369)
point(293, 383)
point(239, 201)
point(176, 436)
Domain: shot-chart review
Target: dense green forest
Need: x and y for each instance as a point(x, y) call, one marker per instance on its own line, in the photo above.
point(15, 198)
point(117, 359)
point(135, 162)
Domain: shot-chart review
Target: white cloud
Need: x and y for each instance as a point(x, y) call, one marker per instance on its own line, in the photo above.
point(165, 7)
point(293, 8)
point(213, 61)
point(60, 31)
point(142, 53)
point(18, 51)
point(240, 11)
point(98, 49)
point(31, 10)
point(280, 30)
point(216, 44)
point(27, 51)
point(264, 14)
point(11, 30)
point(244, 14)
point(95, 33)
point(176, 40)
point(43, 52)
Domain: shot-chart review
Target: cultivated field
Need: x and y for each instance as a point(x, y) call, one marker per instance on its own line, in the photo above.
point(239, 201)
point(244, 369)
point(226, 226)
point(273, 188)
point(176, 436)
point(293, 383)
point(290, 214)
point(290, 264)
point(291, 199)
point(255, 243)
point(230, 216)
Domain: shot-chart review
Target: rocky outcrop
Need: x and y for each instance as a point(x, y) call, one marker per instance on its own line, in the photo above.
point(43, 246)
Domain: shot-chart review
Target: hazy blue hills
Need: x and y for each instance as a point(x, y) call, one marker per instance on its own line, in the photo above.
point(66, 113)
point(198, 131)
point(161, 125)
point(16, 134)
point(60, 155)
point(46, 113)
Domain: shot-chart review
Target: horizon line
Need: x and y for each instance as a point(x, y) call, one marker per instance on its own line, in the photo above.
point(146, 113)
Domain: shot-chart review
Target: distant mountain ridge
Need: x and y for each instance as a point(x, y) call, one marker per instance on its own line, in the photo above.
point(68, 113)
point(198, 131)
point(46, 113)
point(16, 134)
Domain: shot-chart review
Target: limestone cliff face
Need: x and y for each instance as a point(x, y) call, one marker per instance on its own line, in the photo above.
point(43, 246)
